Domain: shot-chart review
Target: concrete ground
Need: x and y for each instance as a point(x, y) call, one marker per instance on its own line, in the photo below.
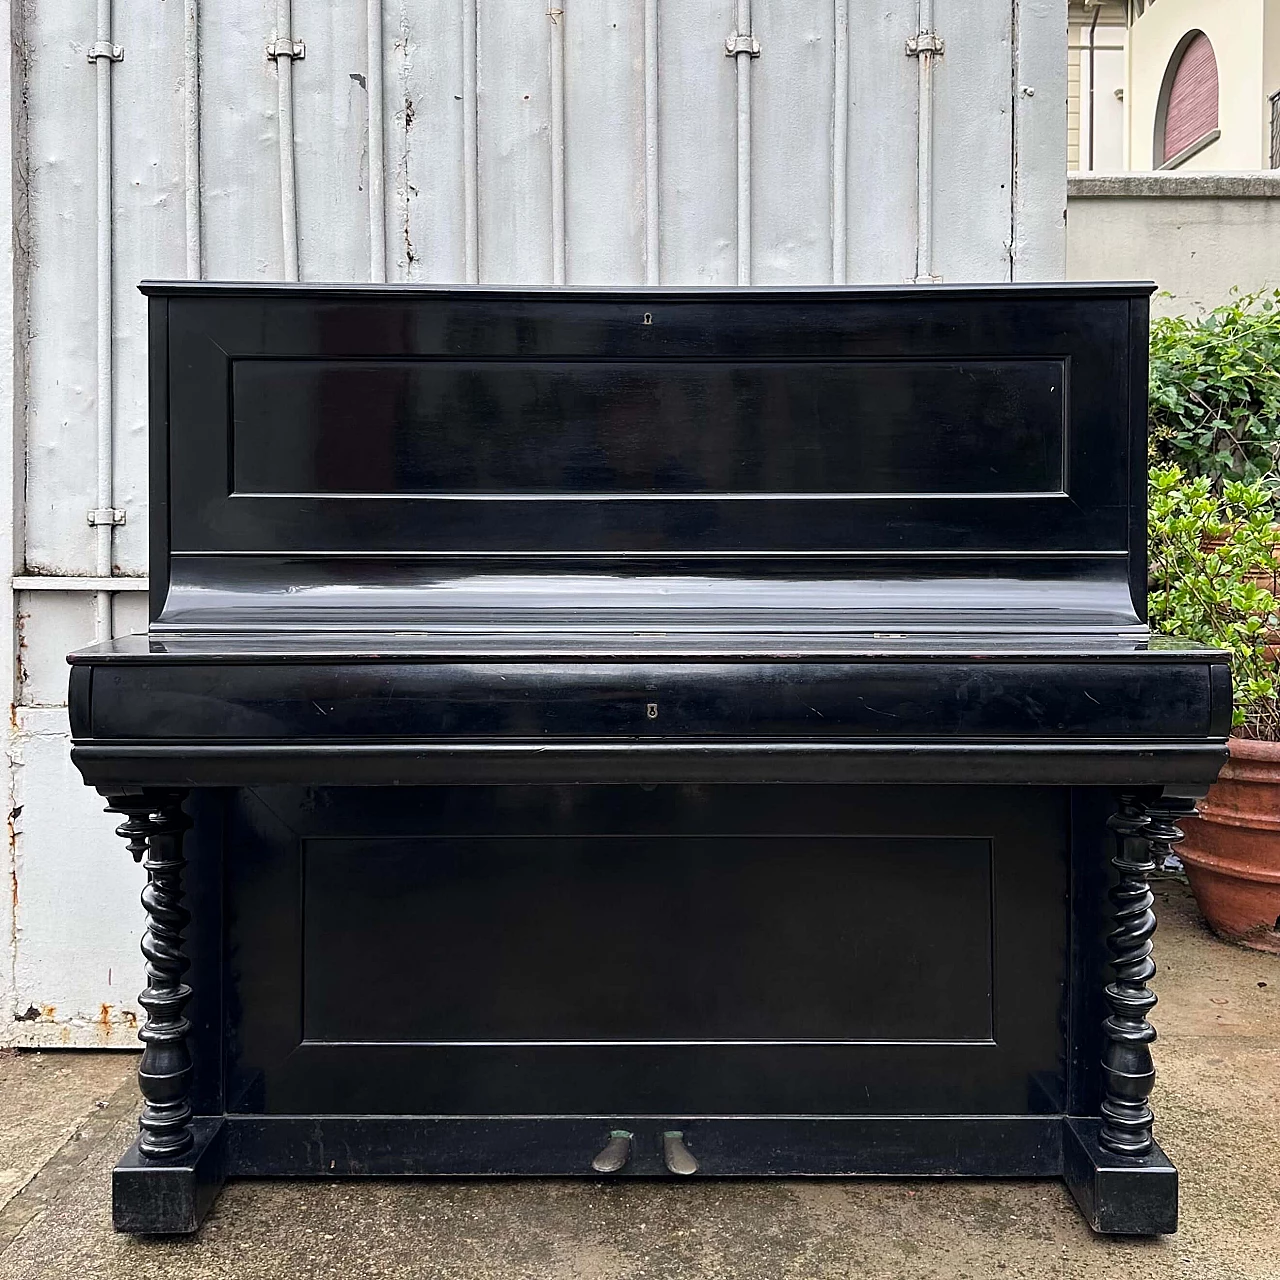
point(65, 1117)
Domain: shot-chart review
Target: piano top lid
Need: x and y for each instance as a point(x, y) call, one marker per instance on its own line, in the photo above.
point(744, 293)
point(785, 462)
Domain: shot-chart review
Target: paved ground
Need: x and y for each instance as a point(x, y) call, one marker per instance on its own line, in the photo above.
point(1219, 1118)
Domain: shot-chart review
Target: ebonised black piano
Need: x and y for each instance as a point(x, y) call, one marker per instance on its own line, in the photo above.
point(648, 733)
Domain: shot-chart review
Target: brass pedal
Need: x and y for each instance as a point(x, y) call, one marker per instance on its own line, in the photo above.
point(677, 1157)
point(615, 1153)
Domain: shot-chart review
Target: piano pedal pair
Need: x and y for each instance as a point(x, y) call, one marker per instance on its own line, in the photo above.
point(615, 1155)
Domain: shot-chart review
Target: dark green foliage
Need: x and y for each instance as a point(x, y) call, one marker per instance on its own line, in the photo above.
point(1213, 571)
point(1215, 391)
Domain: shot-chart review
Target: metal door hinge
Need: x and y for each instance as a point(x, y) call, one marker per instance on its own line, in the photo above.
point(106, 515)
point(105, 49)
point(736, 44)
point(294, 49)
point(925, 42)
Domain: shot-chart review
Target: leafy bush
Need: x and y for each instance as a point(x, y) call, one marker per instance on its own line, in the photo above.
point(1215, 390)
point(1212, 578)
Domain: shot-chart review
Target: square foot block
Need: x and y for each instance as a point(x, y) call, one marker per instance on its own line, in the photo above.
point(1119, 1195)
point(169, 1197)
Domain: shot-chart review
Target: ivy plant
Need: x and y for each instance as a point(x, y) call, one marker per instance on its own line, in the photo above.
point(1213, 579)
point(1215, 390)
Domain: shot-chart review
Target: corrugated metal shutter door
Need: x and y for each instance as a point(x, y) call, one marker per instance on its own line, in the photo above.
point(495, 141)
point(1193, 100)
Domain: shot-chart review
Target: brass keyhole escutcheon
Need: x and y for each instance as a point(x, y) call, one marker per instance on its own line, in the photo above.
point(651, 710)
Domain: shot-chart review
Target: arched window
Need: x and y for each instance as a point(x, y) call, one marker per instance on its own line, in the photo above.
point(1187, 114)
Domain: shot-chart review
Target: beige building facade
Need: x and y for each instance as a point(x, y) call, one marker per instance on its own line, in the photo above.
point(1244, 37)
point(1173, 84)
point(1174, 147)
point(1097, 67)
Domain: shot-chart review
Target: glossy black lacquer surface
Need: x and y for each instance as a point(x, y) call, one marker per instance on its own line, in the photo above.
point(408, 518)
point(671, 950)
point(717, 728)
point(670, 422)
point(669, 425)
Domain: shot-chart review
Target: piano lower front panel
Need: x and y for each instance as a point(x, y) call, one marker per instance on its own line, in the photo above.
point(629, 951)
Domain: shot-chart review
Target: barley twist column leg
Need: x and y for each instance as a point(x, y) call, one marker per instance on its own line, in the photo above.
point(1128, 1071)
point(154, 826)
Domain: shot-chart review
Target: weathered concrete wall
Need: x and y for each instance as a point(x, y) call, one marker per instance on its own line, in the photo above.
point(1195, 234)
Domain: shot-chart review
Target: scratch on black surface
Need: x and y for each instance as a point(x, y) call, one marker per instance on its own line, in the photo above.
point(893, 715)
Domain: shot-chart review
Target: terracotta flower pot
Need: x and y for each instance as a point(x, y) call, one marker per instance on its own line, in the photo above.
point(1232, 849)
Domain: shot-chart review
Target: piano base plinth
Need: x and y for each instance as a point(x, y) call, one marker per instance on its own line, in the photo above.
point(1135, 1196)
point(170, 1196)
point(1119, 1195)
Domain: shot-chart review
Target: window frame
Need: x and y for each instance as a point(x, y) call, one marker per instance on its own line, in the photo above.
point(1172, 67)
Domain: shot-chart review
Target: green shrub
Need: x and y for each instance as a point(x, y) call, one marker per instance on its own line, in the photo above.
point(1211, 554)
point(1215, 390)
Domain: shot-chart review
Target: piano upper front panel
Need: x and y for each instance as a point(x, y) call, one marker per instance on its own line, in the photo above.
point(447, 422)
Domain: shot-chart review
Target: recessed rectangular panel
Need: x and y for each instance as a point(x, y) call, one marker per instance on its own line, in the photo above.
point(440, 421)
point(647, 427)
point(647, 938)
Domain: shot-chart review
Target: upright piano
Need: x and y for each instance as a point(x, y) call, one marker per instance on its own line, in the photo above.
point(648, 733)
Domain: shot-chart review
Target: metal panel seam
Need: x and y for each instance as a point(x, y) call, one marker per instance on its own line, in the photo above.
point(556, 24)
point(377, 163)
point(840, 147)
point(652, 212)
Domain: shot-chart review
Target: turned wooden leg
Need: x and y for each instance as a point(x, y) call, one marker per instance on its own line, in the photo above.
point(1163, 831)
point(154, 826)
point(1128, 1071)
point(1113, 1167)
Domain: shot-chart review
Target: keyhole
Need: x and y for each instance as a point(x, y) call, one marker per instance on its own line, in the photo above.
point(651, 710)
point(648, 317)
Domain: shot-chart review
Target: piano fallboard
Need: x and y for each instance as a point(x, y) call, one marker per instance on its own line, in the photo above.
point(351, 707)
